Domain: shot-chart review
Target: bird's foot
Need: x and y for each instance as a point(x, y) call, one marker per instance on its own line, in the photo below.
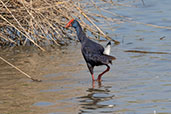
point(98, 80)
point(99, 83)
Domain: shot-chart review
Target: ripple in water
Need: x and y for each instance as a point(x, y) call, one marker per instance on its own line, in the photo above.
point(97, 100)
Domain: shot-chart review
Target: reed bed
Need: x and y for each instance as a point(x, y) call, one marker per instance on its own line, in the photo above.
point(42, 22)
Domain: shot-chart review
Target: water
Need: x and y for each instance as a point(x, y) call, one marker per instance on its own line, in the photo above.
point(137, 83)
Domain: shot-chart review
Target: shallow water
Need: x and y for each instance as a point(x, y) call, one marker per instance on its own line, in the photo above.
point(138, 83)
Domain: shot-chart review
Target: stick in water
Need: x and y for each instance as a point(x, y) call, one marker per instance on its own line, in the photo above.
point(37, 80)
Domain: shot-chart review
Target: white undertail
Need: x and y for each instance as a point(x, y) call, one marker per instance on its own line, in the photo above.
point(107, 48)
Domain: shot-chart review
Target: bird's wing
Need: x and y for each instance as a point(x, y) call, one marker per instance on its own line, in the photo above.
point(94, 47)
point(94, 56)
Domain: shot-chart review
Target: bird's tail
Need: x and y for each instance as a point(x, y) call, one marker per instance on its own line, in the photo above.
point(110, 58)
point(107, 48)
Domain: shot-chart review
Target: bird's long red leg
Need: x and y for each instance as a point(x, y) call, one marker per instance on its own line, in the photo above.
point(100, 75)
point(90, 67)
point(92, 77)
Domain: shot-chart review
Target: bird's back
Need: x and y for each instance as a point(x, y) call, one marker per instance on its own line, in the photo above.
point(93, 47)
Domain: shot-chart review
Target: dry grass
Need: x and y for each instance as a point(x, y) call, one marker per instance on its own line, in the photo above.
point(41, 22)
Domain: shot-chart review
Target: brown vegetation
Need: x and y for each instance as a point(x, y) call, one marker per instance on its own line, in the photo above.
point(41, 22)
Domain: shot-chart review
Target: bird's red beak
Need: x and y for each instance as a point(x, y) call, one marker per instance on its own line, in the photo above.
point(69, 24)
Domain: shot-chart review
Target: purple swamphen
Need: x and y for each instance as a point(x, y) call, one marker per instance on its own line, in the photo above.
point(93, 53)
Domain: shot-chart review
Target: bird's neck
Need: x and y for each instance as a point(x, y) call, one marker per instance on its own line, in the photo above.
point(80, 34)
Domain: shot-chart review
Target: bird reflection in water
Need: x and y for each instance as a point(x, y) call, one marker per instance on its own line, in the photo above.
point(97, 99)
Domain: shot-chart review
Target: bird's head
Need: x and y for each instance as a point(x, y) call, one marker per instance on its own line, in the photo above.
point(72, 23)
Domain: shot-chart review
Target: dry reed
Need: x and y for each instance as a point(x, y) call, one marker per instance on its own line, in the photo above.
point(41, 22)
point(37, 80)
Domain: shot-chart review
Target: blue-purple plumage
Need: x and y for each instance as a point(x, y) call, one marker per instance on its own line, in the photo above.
point(92, 52)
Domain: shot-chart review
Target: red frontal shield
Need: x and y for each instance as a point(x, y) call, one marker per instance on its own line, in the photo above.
point(69, 23)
